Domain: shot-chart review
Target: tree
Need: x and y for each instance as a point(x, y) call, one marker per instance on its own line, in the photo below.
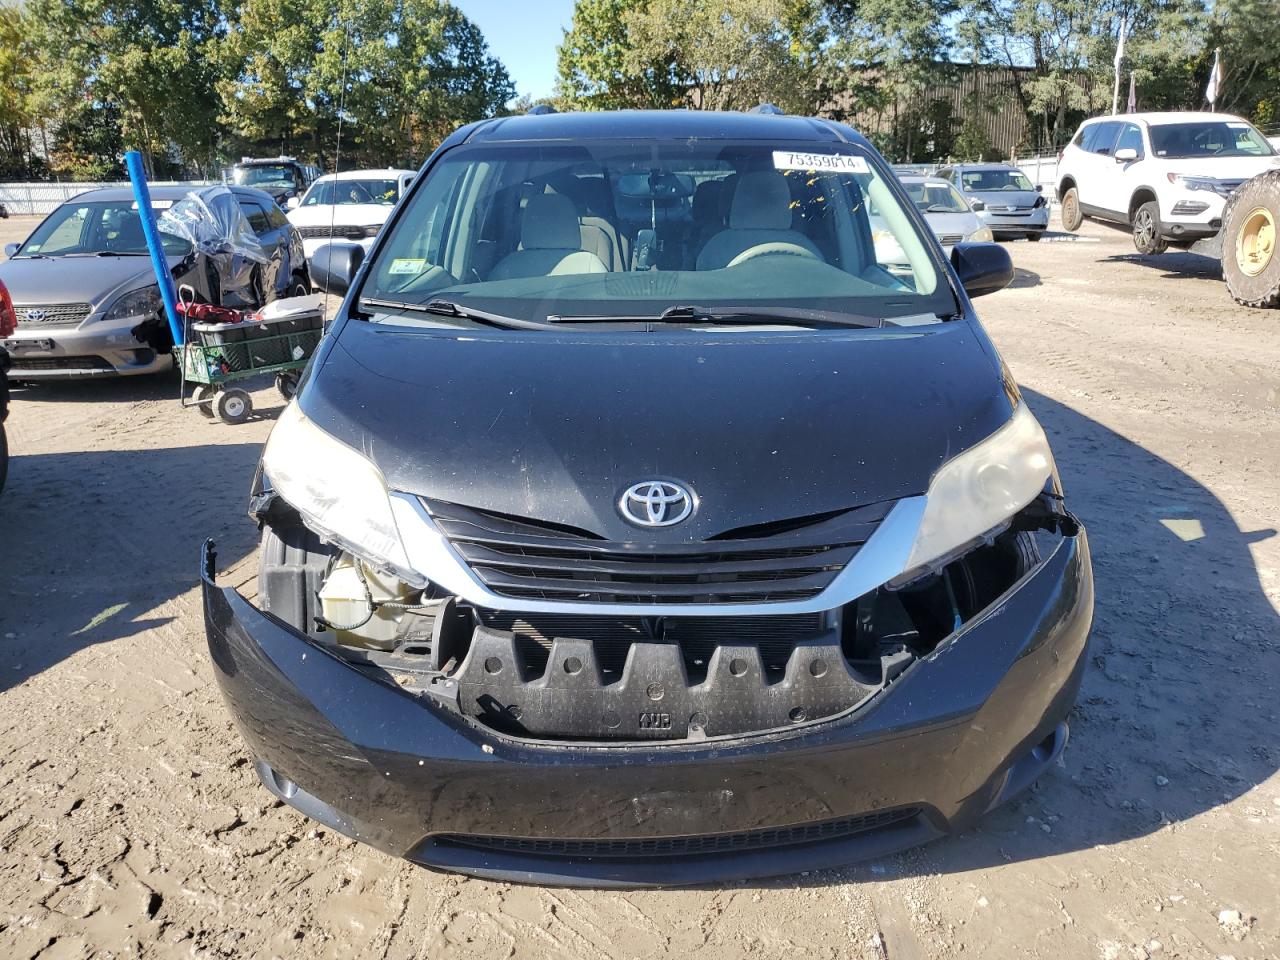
point(732, 54)
point(598, 68)
point(415, 70)
point(143, 60)
point(15, 108)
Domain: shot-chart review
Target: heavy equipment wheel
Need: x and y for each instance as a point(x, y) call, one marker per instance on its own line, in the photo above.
point(1250, 229)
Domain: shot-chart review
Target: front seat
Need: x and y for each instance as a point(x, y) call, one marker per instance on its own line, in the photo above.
point(549, 242)
point(759, 213)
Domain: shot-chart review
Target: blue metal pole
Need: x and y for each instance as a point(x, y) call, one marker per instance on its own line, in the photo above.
point(159, 262)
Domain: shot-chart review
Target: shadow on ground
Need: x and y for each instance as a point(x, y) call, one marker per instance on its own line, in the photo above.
point(1178, 710)
point(95, 541)
point(1175, 264)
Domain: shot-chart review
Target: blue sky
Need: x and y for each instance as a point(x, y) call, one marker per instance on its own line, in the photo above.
point(523, 34)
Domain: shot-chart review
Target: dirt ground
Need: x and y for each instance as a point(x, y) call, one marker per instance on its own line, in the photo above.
point(131, 823)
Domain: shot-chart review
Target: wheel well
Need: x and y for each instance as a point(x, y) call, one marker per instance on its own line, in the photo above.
point(1140, 196)
point(1066, 184)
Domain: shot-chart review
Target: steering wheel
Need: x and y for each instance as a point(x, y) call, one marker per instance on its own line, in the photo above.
point(778, 248)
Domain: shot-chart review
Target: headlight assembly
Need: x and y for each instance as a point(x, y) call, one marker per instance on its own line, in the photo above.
point(142, 302)
point(338, 492)
point(976, 491)
point(981, 235)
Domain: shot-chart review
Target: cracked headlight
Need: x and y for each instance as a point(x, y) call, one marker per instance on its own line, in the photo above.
point(143, 302)
point(978, 490)
point(338, 492)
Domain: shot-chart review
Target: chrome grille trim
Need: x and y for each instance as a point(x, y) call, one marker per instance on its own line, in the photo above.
point(51, 314)
point(882, 558)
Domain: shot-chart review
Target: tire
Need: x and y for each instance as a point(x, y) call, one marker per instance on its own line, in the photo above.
point(298, 286)
point(287, 385)
point(233, 405)
point(203, 397)
point(1146, 230)
point(1071, 215)
point(1250, 231)
point(1033, 237)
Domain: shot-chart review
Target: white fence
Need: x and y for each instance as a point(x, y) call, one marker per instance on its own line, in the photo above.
point(43, 198)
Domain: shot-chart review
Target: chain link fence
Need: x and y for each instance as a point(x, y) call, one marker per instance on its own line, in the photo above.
point(43, 198)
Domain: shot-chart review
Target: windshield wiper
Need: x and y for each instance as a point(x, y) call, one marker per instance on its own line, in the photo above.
point(447, 308)
point(733, 316)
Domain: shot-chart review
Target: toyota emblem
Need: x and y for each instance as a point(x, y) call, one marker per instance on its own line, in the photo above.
point(34, 316)
point(656, 503)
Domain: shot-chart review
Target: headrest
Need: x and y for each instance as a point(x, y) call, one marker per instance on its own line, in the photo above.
point(762, 201)
point(706, 201)
point(550, 223)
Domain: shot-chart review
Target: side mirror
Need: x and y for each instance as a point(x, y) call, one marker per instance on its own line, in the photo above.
point(11, 248)
point(977, 205)
point(982, 267)
point(334, 266)
point(291, 203)
point(1126, 155)
point(1039, 188)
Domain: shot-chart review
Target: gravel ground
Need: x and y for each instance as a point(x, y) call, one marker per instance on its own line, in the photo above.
point(131, 823)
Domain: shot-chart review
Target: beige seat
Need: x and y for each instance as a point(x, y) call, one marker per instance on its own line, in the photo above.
point(549, 242)
point(759, 213)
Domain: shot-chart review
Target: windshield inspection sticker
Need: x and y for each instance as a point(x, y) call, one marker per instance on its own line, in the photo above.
point(407, 265)
point(842, 162)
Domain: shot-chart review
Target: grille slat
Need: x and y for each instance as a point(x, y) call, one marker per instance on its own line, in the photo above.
point(658, 847)
point(524, 558)
point(337, 232)
point(20, 363)
point(50, 314)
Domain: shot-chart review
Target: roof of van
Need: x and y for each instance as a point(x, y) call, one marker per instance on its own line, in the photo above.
point(659, 125)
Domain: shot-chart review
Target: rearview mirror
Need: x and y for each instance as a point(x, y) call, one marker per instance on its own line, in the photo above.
point(1126, 155)
point(977, 205)
point(982, 267)
point(11, 248)
point(334, 266)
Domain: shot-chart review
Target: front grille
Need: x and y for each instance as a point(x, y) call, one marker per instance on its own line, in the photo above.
point(51, 314)
point(697, 637)
point(60, 363)
point(665, 847)
point(337, 232)
point(528, 559)
point(1226, 187)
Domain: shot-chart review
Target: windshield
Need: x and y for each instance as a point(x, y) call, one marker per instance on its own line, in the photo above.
point(630, 229)
point(104, 227)
point(1208, 138)
point(935, 197)
point(984, 181)
point(342, 192)
point(255, 175)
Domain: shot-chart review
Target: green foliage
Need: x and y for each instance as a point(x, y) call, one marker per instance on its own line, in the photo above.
point(599, 67)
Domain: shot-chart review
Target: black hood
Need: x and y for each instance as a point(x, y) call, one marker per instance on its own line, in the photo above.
point(555, 426)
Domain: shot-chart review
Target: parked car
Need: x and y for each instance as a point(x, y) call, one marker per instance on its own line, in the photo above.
point(1003, 197)
point(746, 557)
point(1166, 176)
point(947, 213)
point(85, 293)
point(347, 206)
point(8, 323)
point(282, 177)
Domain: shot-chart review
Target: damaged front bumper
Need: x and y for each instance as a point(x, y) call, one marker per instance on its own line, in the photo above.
point(958, 732)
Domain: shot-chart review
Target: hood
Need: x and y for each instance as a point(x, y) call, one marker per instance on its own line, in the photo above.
point(1220, 168)
point(999, 199)
point(343, 215)
point(92, 280)
point(952, 224)
point(556, 426)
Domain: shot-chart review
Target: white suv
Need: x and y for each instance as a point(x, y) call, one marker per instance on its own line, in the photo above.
point(1167, 175)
